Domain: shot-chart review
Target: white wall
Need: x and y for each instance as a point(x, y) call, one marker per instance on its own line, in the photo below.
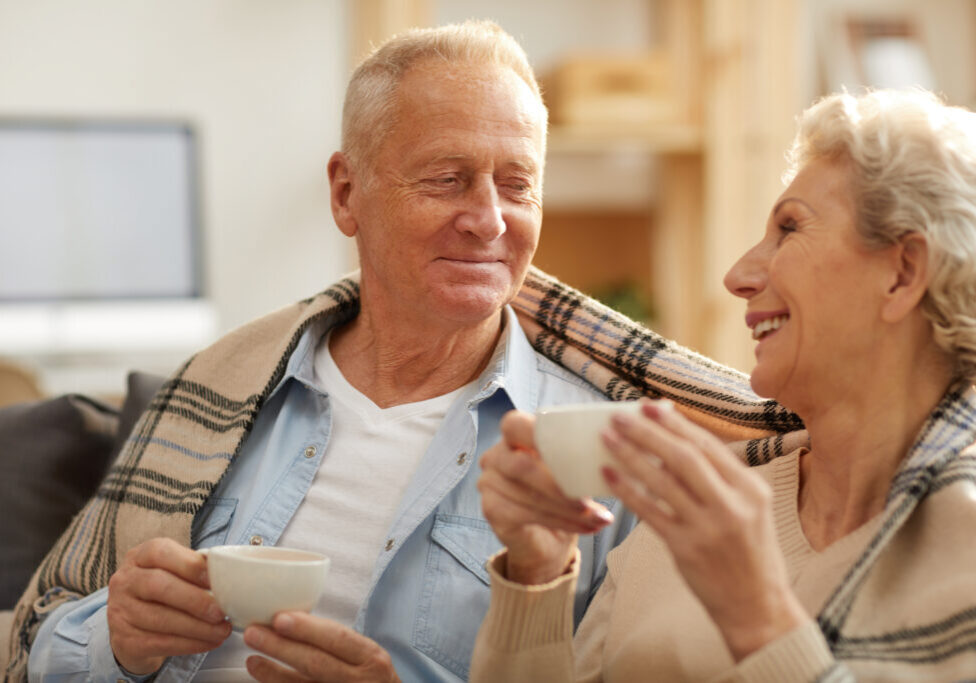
point(947, 29)
point(263, 82)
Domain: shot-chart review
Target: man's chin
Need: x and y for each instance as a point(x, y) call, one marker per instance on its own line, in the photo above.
point(470, 304)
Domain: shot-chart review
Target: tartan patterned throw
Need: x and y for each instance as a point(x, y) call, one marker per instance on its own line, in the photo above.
point(197, 423)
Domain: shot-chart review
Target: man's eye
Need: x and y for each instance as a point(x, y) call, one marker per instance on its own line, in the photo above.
point(517, 186)
point(787, 227)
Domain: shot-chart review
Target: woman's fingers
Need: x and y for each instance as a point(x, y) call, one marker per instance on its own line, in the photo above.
point(508, 504)
point(518, 429)
point(525, 468)
point(725, 462)
point(668, 465)
point(646, 479)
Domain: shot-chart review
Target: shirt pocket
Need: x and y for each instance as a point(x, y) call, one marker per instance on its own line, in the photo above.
point(212, 522)
point(455, 593)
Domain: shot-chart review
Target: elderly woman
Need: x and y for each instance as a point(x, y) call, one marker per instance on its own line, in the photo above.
point(852, 559)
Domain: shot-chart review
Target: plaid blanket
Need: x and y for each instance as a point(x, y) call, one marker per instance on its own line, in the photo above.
point(197, 423)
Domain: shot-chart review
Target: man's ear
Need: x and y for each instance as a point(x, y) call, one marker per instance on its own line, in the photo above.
point(341, 181)
point(910, 277)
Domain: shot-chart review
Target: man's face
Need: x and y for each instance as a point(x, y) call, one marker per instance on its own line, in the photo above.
point(449, 220)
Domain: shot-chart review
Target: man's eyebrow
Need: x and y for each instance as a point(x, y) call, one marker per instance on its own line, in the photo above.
point(524, 166)
point(529, 167)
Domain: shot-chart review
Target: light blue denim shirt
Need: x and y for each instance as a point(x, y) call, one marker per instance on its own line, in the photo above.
point(429, 588)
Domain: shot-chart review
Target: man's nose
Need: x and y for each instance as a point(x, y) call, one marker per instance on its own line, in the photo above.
point(747, 276)
point(482, 212)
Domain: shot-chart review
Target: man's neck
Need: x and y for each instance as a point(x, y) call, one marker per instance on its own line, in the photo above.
point(410, 363)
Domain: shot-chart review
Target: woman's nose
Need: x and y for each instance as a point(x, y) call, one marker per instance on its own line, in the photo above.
point(747, 276)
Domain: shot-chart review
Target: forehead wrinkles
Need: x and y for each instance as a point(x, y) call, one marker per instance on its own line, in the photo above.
point(477, 131)
point(492, 96)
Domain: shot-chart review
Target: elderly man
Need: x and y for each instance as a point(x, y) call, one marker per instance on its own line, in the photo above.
point(349, 423)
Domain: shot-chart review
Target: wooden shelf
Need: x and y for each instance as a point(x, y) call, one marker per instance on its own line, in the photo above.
point(664, 138)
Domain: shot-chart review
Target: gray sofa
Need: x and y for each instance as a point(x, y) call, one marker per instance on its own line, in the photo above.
point(53, 455)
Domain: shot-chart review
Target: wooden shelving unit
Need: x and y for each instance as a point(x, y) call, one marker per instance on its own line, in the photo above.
point(735, 64)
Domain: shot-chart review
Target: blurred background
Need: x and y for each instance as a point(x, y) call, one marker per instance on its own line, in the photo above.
point(162, 162)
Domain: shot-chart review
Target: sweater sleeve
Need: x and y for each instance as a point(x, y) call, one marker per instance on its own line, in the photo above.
point(801, 656)
point(527, 634)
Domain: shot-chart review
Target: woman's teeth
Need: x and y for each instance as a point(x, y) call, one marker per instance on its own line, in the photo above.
point(768, 325)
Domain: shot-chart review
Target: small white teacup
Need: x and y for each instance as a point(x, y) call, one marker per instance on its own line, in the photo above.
point(252, 583)
point(568, 438)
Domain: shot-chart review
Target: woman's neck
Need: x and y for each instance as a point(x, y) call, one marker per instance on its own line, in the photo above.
point(858, 442)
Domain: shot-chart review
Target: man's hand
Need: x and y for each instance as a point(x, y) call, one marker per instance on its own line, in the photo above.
point(159, 605)
point(527, 510)
point(315, 649)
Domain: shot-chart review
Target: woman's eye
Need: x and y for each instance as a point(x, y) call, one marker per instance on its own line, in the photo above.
point(787, 227)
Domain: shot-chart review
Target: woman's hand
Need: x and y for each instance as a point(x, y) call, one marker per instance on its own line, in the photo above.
point(527, 510)
point(715, 516)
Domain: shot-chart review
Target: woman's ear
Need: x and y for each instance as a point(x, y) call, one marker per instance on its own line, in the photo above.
point(910, 277)
point(341, 181)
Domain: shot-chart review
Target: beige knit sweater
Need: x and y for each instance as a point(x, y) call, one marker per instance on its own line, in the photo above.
point(911, 616)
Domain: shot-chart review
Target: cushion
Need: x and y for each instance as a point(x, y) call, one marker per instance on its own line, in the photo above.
point(53, 455)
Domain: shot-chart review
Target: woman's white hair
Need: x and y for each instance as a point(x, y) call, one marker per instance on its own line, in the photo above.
point(914, 163)
point(369, 112)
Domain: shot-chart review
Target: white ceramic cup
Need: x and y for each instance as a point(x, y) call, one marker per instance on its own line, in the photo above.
point(568, 438)
point(252, 583)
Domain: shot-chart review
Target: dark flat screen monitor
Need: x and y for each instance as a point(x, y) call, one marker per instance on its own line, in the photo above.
point(98, 210)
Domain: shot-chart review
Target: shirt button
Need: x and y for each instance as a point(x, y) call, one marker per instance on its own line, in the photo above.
point(389, 544)
point(256, 540)
point(462, 458)
point(310, 452)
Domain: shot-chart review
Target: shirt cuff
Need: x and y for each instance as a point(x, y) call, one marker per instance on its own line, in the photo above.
point(523, 616)
point(101, 656)
point(800, 655)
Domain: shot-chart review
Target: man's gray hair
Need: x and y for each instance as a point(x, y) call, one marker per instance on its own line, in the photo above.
point(914, 165)
point(369, 112)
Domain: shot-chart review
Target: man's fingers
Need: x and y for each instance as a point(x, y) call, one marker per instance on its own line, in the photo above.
point(310, 644)
point(160, 588)
point(155, 617)
point(321, 649)
point(302, 656)
point(143, 646)
point(337, 640)
point(165, 553)
point(264, 670)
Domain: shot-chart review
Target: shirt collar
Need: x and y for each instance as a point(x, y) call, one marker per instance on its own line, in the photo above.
point(511, 369)
point(301, 364)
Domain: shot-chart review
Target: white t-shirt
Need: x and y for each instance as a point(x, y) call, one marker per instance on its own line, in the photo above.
point(370, 458)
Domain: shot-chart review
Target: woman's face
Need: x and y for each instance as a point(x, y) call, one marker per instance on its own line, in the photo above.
point(813, 291)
